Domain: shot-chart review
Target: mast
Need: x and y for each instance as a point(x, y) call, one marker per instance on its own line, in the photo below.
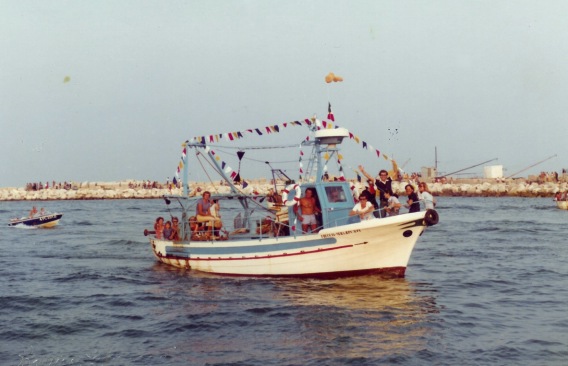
point(326, 141)
point(436, 159)
point(185, 174)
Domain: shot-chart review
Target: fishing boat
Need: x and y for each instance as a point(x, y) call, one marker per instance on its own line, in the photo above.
point(272, 243)
point(46, 220)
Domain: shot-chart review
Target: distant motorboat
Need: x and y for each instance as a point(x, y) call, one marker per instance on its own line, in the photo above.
point(563, 205)
point(46, 220)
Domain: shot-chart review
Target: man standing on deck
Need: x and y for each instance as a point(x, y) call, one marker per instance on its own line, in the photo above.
point(383, 184)
point(309, 209)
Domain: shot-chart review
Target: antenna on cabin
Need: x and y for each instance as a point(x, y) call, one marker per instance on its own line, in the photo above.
point(278, 174)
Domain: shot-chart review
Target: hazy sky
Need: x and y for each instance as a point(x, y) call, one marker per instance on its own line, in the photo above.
point(476, 79)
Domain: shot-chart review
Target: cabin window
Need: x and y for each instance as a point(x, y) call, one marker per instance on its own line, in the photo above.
point(335, 194)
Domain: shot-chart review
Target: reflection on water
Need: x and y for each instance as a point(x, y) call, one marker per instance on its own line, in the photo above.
point(361, 315)
point(310, 320)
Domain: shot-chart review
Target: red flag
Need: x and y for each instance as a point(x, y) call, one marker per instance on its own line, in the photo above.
point(330, 113)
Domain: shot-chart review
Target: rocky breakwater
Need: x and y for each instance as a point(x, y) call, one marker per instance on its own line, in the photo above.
point(127, 190)
point(86, 191)
point(490, 188)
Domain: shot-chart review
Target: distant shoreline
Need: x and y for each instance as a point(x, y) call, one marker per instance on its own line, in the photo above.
point(134, 190)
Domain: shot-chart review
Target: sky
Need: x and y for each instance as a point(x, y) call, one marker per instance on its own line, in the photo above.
point(108, 90)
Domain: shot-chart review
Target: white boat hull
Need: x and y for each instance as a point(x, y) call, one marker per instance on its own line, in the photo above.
point(373, 246)
point(563, 205)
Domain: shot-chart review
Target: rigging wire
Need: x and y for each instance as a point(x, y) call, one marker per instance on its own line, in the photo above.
point(273, 147)
point(262, 160)
point(197, 153)
point(239, 190)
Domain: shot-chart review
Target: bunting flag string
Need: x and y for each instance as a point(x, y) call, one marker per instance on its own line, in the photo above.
point(341, 174)
point(226, 168)
point(329, 112)
point(277, 128)
point(272, 129)
point(300, 164)
point(180, 165)
point(388, 158)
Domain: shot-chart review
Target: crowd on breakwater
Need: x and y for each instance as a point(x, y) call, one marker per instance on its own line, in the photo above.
point(519, 187)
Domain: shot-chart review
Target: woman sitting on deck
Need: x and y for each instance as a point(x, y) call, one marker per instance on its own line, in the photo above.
point(203, 212)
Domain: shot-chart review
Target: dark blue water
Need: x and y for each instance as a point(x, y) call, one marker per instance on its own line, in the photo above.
point(486, 286)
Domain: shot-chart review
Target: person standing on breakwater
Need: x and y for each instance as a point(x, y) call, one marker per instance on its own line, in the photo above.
point(383, 184)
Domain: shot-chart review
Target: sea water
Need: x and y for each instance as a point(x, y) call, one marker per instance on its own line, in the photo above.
point(486, 286)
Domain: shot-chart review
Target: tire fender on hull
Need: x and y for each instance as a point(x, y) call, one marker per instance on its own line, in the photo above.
point(431, 218)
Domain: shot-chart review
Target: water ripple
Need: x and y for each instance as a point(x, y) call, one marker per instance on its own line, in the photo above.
point(486, 286)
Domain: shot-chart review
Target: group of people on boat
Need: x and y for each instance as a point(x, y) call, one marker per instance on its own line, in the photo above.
point(389, 200)
point(37, 218)
point(207, 220)
point(204, 225)
point(168, 230)
point(375, 201)
point(367, 206)
point(34, 212)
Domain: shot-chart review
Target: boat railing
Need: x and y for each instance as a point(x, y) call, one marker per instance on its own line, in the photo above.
point(274, 228)
point(270, 227)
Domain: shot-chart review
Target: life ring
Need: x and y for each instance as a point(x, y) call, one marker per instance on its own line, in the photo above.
point(286, 191)
point(431, 217)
